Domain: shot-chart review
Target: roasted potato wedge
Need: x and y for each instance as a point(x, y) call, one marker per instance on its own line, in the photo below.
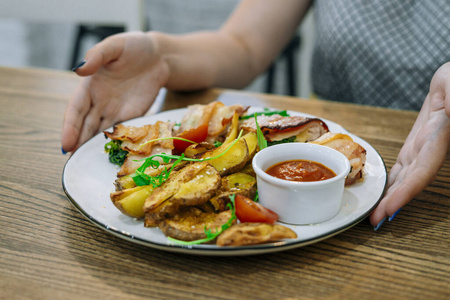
point(233, 130)
point(232, 160)
point(165, 210)
point(192, 185)
point(190, 225)
point(254, 233)
point(131, 201)
point(127, 182)
point(196, 149)
point(236, 183)
point(252, 143)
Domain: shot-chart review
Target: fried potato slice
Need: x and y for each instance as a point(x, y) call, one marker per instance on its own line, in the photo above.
point(236, 183)
point(196, 149)
point(252, 143)
point(232, 160)
point(192, 185)
point(190, 225)
point(126, 182)
point(131, 201)
point(254, 233)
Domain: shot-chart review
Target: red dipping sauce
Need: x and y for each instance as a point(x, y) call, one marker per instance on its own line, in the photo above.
point(300, 170)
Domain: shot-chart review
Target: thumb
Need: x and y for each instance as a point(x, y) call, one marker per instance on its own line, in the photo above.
point(100, 55)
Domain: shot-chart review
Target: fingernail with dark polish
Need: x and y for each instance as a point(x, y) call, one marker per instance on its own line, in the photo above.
point(63, 152)
point(79, 65)
point(379, 224)
point(393, 216)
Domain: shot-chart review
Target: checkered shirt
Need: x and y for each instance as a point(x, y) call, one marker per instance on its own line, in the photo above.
point(379, 52)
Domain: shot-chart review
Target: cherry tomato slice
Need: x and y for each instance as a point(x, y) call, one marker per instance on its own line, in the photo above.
point(197, 134)
point(248, 210)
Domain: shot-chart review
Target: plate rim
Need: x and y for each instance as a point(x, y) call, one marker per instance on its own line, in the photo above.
point(229, 250)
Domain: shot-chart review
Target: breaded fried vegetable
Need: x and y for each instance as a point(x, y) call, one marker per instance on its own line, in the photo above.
point(254, 233)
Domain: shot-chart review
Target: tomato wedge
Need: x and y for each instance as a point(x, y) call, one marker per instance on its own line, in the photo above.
point(197, 134)
point(248, 210)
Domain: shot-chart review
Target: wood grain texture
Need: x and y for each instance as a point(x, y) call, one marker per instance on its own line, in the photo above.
point(50, 251)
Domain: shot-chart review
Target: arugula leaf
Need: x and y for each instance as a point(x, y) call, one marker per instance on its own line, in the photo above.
point(262, 143)
point(256, 199)
point(267, 112)
point(210, 236)
point(140, 178)
point(115, 152)
point(283, 141)
point(167, 138)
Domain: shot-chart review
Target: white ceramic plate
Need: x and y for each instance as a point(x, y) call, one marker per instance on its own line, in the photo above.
point(88, 179)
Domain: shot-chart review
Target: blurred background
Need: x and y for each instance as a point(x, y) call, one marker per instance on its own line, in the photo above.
point(55, 34)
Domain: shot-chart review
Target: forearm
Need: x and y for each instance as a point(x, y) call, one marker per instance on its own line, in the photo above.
point(236, 54)
point(202, 60)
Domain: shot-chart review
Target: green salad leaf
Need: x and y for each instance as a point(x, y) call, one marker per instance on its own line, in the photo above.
point(266, 112)
point(140, 178)
point(115, 152)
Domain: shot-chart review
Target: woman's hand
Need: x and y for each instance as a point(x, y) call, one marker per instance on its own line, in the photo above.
point(423, 153)
point(124, 74)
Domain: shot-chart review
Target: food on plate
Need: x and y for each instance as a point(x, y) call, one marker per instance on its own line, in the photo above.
point(254, 233)
point(194, 180)
point(355, 153)
point(216, 115)
point(248, 210)
point(131, 201)
point(141, 142)
point(234, 184)
point(190, 225)
point(277, 128)
point(193, 185)
point(300, 170)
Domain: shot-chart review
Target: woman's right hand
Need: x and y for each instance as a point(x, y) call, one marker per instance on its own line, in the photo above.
point(123, 75)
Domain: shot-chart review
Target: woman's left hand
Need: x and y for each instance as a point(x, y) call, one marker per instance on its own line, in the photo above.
point(423, 152)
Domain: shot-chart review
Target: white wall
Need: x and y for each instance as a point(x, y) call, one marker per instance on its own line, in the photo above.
point(50, 44)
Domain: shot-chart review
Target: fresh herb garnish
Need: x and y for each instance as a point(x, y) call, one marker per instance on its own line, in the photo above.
point(217, 144)
point(262, 143)
point(283, 141)
point(256, 198)
point(267, 112)
point(115, 152)
point(210, 236)
point(167, 138)
point(140, 178)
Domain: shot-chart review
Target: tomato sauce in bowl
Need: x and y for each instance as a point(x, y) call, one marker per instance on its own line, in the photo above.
point(300, 170)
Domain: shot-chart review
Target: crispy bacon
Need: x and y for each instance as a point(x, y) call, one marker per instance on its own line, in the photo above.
point(134, 141)
point(133, 162)
point(134, 138)
point(277, 128)
point(355, 153)
point(216, 114)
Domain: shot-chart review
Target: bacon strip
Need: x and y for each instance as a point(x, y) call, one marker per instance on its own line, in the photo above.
point(355, 153)
point(134, 138)
point(134, 141)
point(215, 114)
point(277, 128)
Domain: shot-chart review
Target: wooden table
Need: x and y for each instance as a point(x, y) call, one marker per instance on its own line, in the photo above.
point(50, 251)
